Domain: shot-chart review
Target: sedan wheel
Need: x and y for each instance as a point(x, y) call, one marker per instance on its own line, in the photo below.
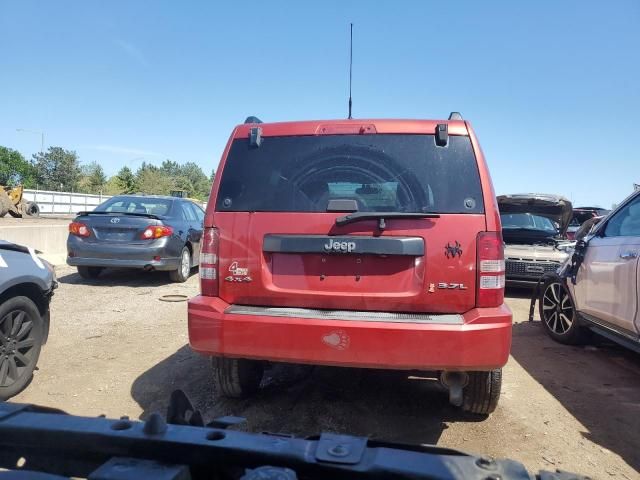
point(185, 263)
point(184, 269)
point(558, 314)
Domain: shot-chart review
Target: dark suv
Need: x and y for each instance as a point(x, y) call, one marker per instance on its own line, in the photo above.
point(354, 243)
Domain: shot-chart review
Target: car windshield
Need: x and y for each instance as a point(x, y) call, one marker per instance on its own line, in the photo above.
point(381, 173)
point(149, 205)
point(527, 221)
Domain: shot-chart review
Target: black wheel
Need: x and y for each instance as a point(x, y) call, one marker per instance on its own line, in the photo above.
point(32, 209)
point(21, 336)
point(90, 272)
point(181, 275)
point(482, 392)
point(236, 377)
point(558, 314)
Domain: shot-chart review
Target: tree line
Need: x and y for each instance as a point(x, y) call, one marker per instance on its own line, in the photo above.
point(61, 170)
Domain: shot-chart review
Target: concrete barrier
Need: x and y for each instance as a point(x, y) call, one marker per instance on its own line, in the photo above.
point(49, 238)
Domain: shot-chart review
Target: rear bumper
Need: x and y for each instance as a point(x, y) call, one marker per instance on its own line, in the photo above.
point(162, 264)
point(86, 254)
point(481, 342)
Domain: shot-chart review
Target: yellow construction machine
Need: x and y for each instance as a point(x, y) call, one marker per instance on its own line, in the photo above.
point(13, 203)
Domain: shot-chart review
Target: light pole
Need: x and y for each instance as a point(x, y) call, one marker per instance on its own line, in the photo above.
point(38, 132)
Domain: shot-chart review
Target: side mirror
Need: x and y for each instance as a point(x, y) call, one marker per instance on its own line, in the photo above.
point(591, 227)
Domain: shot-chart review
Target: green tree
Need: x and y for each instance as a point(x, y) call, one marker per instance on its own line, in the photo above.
point(15, 169)
point(57, 169)
point(126, 180)
point(183, 183)
point(195, 178)
point(144, 166)
point(171, 168)
point(113, 187)
point(92, 178)
point(171, 175)
point(153, 181)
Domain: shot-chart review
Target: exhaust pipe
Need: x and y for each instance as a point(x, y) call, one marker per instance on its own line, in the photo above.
point(455, 382)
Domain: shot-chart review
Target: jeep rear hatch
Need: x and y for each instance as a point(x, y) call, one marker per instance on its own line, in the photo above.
point(404, 238)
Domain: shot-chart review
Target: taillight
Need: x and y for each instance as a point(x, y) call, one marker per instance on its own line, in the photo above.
point(209, 262)
point(79, 229)
point(153, 232)
point(490, 290)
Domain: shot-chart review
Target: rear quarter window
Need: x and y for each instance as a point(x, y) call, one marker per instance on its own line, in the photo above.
point(382, 173)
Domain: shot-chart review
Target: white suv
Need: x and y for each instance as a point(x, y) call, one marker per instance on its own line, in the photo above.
point(601, 291)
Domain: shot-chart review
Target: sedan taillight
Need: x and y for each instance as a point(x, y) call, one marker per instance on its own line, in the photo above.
point(79, 229)
point(209, 262)
point(152, 232)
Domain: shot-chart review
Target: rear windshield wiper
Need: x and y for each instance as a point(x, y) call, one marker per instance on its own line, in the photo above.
point(381, 216)
point(133, 214)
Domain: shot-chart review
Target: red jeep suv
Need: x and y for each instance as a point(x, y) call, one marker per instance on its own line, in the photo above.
point(354, 243)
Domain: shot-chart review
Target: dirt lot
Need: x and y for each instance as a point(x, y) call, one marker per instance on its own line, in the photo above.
point(115, 348)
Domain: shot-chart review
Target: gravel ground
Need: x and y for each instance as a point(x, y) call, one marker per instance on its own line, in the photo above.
point(115, 348)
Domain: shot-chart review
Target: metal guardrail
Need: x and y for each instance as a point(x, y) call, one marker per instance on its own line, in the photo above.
point(63, 202)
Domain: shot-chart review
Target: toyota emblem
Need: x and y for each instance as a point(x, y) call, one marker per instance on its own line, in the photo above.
point(115, 220)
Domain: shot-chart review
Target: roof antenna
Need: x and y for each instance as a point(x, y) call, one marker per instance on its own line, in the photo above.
point(350, 69)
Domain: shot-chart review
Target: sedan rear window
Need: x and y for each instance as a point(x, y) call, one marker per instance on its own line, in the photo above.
point(154, 206)
point(382, 173)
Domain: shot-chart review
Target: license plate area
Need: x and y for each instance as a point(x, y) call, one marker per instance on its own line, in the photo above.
point(369, 274)
point(116, 234)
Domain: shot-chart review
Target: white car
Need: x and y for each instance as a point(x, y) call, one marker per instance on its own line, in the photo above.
point(601, 291)
point(26, 286)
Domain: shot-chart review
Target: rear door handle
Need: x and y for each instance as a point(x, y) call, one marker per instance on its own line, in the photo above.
point(628, 255)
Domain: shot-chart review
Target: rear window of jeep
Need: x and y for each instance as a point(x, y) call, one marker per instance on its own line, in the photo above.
point(382, 173)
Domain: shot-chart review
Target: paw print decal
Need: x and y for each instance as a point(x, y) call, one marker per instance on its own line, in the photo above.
point(337, 339)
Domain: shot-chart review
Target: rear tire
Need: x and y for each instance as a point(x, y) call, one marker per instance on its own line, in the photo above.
point(90, 273)
point(558, 314)
point(480, 396)
point(22, 328)
point(32, 209)
point(181, 275)
point(236, 377)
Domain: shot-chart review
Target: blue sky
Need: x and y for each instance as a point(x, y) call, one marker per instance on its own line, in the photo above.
point(551, 88)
